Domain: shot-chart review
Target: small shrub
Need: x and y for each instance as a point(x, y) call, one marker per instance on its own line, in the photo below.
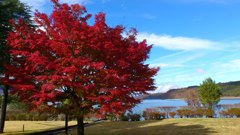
point(21, 116)
point(27, 116)
point(11, 117)
point(124, 117)
point(135, 117)
point(162, 115)
point(234, 112)
point(172, 114)
point(111, 117)
point(185, 113)
point(145, 115)
point(209, 113)
point(180, 113)
point(43, 117)
point(199, 112)
point(188, 113)
point(224, 114)
point(156, 115)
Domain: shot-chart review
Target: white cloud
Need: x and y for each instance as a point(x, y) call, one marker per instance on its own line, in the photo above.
point(210, 1)
point(159, 65)
point(232, 64)
point(201, 71)
point(164, 88)
point(177, 43)
point(177, 60)
point(165, 65)
point(76, 1)
point(235, 62)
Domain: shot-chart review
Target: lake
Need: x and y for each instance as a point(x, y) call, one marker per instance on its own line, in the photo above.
point(150, 103)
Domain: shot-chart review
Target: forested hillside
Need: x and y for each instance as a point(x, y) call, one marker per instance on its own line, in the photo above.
point(228, 89)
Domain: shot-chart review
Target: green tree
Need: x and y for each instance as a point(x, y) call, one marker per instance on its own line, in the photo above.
point(209, 93)
point(9, 9)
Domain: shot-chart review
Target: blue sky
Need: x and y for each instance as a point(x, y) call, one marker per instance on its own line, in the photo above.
point(192, 39)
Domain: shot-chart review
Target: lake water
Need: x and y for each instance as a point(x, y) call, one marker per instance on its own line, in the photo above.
point(172, 102)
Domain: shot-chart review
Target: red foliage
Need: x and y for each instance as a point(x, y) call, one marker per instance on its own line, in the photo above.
point(69, 59)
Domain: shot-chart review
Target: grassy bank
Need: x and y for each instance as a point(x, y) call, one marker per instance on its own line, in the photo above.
point(191, 126)
point(16, 127)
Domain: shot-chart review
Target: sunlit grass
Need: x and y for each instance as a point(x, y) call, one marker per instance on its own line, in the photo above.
point(16, 127)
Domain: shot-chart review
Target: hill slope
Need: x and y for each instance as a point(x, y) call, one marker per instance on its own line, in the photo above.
point(228, 89)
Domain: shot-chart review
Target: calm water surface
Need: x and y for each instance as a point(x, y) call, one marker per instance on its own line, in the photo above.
point(172, 102)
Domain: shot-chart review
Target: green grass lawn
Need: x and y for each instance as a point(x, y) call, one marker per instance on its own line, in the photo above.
point(189, 126)
point(16, 127)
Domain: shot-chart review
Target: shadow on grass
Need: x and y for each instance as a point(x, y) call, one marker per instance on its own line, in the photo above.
point(174, 129)
point(47, 124)
point(148, 128)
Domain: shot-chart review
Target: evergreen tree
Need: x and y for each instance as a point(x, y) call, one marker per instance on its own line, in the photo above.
point(209, 93)
point(9, 10)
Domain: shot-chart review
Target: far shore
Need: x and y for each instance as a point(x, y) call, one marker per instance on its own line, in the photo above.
point(183, 98)
point(230, 97)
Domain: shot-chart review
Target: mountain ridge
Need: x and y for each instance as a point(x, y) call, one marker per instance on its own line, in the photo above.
point(228, 89)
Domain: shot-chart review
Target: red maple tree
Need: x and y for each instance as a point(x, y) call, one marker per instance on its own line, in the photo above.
point(94, 67)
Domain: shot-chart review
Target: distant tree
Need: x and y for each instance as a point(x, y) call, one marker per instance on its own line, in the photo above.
point(209, 93)
point(9, 9)
point(167, 109)
point(191, 99)
point(94, 66)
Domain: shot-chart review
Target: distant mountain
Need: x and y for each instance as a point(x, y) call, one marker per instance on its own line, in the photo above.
point(228, 89)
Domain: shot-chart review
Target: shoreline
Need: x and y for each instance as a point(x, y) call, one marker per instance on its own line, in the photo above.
point(183, 98)
point(230, 97)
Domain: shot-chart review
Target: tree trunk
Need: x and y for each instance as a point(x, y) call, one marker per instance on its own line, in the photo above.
point(80, 125)
point(3, 108)
point(66, 123)
point(210, 106)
